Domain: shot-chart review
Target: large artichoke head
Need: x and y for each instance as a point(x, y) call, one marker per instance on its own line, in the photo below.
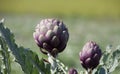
point(90, 55)
point(51, 35)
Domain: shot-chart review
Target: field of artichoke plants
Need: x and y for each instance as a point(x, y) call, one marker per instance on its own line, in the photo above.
point(74, 46)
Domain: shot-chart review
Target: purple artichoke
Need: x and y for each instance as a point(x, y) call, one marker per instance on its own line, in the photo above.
point(90, 55)
point(51, 35)
point(72, 71)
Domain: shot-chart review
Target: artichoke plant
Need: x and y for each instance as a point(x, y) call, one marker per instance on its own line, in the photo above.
point(72, 71)
point(90, 55)
point(51, 35)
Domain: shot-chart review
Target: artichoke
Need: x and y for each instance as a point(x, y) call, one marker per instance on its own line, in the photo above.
point(51, 35)
point(72, 71)
point(90, 55)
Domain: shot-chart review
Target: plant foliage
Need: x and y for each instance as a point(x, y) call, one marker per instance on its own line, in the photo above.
point(31, 64)
point(28, 60)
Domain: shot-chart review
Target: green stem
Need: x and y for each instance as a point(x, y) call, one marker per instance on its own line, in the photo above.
point(55, 65)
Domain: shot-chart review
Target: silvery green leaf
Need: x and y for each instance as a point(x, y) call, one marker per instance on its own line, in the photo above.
point(107, 54)
point(28, 60)
point(111, 59)
point(116, 58)
point(106, 59)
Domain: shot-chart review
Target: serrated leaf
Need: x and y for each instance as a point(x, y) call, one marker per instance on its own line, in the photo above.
point(9, 39)
point(28, 60)
point(116, 58)
point(107, 54)
point(111, 60)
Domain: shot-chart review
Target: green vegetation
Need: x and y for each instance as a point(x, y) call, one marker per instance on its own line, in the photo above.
point(76, 8)
point(104, 32)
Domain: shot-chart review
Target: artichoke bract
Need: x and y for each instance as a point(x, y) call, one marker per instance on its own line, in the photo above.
point(51, 35)
point(72, 71)
point(90, 55)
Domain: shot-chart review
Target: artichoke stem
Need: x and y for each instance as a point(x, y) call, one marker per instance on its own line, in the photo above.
point(54, 52)
point(53, 63)
point(89, 71)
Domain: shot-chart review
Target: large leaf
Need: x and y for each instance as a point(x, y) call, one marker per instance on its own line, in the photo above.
point(110, 59)
point(28, 60)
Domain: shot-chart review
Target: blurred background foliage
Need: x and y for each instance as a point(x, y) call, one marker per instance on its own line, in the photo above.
point(97, 20)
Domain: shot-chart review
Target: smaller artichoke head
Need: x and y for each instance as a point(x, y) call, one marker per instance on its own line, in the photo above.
point(90, 55)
